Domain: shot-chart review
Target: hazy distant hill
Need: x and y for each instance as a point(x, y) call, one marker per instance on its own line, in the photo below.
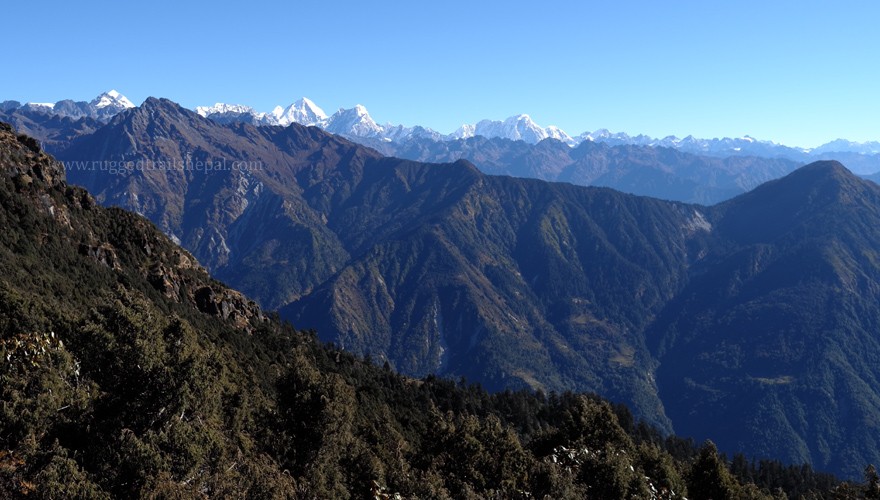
point(660, 172)
point(54, 131)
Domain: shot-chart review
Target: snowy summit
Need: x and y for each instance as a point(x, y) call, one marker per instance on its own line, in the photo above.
point(111, 99)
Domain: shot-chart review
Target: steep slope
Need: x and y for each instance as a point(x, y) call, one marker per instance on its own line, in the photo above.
point(110, 337)
point(514, 283)
point(770, 346)
point(303, 111)
point(521, 283)
point(434, 267)
point(128, 372)
point(232, 195)
point(355, 122)
point(114, 240)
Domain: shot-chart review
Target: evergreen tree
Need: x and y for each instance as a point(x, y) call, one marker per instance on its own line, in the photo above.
point(872, 488)
point(709, 478)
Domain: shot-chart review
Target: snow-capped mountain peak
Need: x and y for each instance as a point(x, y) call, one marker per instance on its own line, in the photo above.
point(111, 99)
point(516, 128)
point(464, 132)
point(595, 136)
point(102, 108)
point(355, 122)
point(554, 132)
point(224, 108)
point(303, 111)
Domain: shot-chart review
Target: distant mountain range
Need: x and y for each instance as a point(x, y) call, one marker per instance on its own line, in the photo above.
point(102, 108)
point(304, 112)
point(749, 322)
point(658, 172)
point(356, 124)
point(644, 170)
point(55, 125)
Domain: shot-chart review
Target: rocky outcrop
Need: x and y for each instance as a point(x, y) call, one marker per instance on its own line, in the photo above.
point(227, 304)
point(121, 241)
point(103, 254)
point(22, 158)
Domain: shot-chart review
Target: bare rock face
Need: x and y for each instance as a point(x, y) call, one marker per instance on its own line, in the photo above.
point(103, 254)
point(227, 304)
point(21, 157)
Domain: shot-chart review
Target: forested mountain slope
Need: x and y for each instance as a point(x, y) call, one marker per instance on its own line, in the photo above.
point(128, 372)
point(770, 347)
point(516, 283)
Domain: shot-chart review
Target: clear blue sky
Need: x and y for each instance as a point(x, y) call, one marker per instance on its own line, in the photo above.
point(797, 72)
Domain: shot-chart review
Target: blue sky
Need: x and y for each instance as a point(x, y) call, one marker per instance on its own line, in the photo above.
point(797, 72)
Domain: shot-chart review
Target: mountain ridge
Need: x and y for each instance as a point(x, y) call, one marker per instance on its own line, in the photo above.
point(316, 220)
point(862, 157)
point(521, 127)
point(781, 319)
